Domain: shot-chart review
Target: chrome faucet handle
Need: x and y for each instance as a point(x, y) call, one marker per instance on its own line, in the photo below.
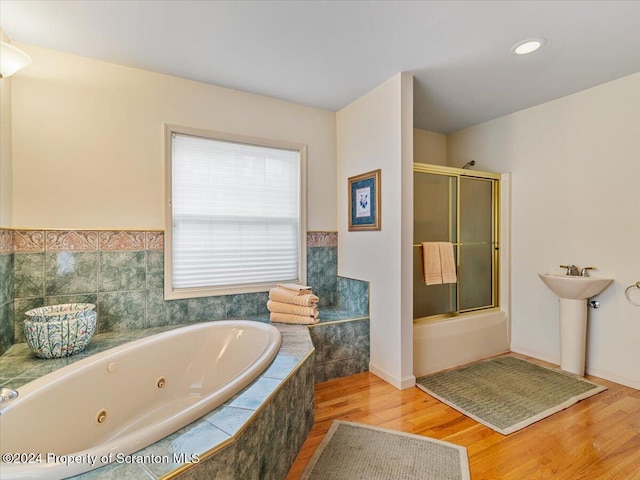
point(572, 270)
point(7, 394)
point(584, 272)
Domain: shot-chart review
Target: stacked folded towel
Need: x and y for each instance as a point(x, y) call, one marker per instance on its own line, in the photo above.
point(292, 303)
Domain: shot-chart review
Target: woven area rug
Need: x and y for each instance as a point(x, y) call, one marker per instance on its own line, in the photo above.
point(352, 451)
point(507, 393)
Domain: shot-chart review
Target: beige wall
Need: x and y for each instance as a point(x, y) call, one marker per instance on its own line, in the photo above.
point(6, 202)
point(429, 147)
point(375, 132)
point(88, 141)
point(575, 166)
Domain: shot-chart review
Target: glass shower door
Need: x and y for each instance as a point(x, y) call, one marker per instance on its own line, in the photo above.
point(457, 206)
point(435, 220)
point(476, 249)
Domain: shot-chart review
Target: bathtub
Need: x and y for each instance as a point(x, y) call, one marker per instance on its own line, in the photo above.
point(103, 408)
point(450, 342)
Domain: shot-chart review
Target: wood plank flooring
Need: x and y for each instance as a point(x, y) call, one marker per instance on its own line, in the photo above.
point(596, 439)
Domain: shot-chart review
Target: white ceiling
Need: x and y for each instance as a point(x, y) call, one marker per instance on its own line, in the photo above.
point(328, 53)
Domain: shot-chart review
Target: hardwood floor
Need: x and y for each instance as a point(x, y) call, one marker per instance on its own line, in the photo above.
point(596, 439)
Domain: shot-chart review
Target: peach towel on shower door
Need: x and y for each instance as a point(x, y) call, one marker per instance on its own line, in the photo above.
point(432, 270)
point(447, 262)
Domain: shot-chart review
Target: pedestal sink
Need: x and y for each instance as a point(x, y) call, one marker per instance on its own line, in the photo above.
point(573, 293)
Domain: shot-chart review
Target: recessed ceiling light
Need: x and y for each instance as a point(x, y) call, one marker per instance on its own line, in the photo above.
point(528, 46)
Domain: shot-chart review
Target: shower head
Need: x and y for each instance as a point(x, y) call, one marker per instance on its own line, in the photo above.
point(469, 164)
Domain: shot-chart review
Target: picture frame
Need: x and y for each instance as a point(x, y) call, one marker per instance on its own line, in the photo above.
point(365, 201)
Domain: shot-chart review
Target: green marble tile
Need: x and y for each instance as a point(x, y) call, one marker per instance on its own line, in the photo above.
point(229, 419)
point(76, 298)
point(121, 311)
point(18, 366)
point(7, 327)
point(313, 280)
point(18, 350)
point(295, 339)
point(322, 261)
point(161, 312)
point(51, 365)
point(116, 471)
point(155, 269)
point(17, 382)
point(261, 301)
point(241, 306)
point(71, 272)
point(21, 305)
point(28, 275)
point(195, 438)
point(353, 296)
point(205, 309)
point(313, 261)
point(327, 291)
point(338, 340)
point(253, 396)
point(281, 366)
point(220, 466)
point(327, 261)
point(6, 278)
point(122, 271)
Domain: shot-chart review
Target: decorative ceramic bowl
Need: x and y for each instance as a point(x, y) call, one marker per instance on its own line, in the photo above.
point(60, 330)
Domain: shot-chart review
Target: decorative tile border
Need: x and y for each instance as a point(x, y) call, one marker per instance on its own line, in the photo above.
point(122, 240)
point(6, 241)
point(71, 240)
point(28, 241)
point(155, 240)
point(38, 241)
point(322, 239)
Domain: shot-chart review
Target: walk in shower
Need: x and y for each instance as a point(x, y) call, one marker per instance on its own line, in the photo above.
point(461, 321)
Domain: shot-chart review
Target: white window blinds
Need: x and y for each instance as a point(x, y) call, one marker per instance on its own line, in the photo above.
point(235, 213)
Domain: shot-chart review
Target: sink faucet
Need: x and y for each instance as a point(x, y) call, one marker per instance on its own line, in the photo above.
point(572, 270)
point(7, 395)
point(584, 271)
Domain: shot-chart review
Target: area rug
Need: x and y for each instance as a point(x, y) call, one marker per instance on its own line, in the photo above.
point(507, 393)
point(353, 451)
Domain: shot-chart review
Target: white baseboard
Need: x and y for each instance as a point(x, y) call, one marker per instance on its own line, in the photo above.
point(614, 377)
point(596, 372)
point(545, 357)
point(400, 384)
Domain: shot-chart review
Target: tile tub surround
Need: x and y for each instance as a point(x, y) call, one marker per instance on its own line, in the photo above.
point(256, 434)
point(122, 272)
point(341, 337)
point(342, 348)
point(6, 290)
point(322, 266)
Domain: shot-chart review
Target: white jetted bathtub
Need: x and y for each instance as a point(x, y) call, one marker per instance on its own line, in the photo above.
point(123, 399)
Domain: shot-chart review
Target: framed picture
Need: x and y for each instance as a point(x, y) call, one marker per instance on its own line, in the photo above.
point(364, 201)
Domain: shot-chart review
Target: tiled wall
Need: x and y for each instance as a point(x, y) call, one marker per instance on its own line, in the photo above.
point(6, 290)
point(342, 347)
point(322, 266)
point(122, 272)
point(353, 295)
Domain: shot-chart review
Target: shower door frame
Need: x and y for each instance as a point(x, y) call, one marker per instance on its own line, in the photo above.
point(495, 220)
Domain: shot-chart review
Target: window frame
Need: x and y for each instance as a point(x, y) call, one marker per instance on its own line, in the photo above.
point(171, 293)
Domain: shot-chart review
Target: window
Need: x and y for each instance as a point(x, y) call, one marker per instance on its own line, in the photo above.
point(235, 214)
